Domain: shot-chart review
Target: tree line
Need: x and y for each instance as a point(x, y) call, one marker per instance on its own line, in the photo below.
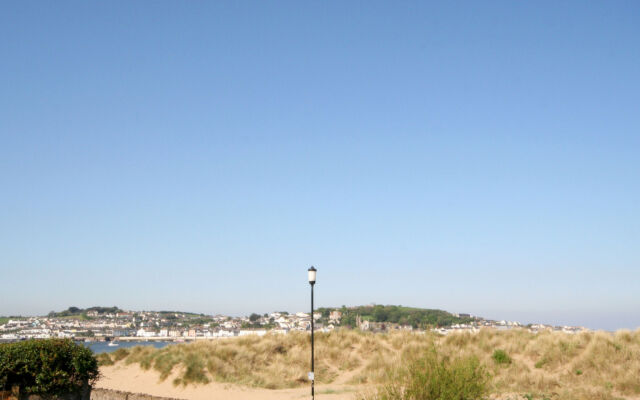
point(416, 317)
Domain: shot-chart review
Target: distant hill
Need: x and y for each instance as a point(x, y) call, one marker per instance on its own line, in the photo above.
point(165, 313)
point(80, 312)
point(416, 317)
point(75, 311)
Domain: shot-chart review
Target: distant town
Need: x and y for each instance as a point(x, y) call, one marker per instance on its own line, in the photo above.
point(112, 323)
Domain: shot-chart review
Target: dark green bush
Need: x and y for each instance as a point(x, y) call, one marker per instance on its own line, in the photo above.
point(431, 377)
point(501, 357)
point(51, 366)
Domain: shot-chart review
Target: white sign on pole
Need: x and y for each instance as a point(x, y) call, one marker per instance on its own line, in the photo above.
point(311, 376)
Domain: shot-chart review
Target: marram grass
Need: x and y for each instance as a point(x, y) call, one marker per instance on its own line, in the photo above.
point(588, 365)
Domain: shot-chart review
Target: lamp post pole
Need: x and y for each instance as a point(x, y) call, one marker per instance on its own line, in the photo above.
point(312, 282)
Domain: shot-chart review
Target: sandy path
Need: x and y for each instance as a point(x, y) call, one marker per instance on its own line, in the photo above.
point(132, 378)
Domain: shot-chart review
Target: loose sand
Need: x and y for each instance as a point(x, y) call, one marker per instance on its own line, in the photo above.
point(132, 378)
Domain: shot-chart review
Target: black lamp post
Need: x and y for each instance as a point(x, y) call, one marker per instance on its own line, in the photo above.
point(312, 282)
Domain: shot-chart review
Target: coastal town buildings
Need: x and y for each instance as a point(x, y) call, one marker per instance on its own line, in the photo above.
point(130, 325)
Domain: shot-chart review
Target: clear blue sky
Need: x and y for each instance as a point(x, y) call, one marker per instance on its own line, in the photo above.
point(478, 157)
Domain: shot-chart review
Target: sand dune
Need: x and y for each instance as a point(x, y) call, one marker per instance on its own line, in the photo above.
point(132, 378)
point(585, 366)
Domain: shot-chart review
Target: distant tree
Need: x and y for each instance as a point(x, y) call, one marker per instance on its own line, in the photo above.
point(380, 313)
point(416, 317)
point(254, 317)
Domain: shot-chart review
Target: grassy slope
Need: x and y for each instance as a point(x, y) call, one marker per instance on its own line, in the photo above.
point(593, 365)
point(417, 317)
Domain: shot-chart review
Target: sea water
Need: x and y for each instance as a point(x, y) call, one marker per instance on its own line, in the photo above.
point(103, 347)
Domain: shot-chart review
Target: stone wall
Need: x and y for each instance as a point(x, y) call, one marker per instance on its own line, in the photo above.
point(107, 394)
point(96, 394)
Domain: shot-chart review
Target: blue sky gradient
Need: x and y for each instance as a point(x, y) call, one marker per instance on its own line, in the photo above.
point(478, 157)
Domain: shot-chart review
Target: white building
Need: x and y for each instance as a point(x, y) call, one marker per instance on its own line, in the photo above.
point(259, 332)
point(143, 333)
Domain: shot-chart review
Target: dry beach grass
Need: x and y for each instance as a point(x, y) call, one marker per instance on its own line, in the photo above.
point(588, 365)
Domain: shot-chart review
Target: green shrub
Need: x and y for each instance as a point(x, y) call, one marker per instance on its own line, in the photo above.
point(195, 371)
point(52, 366)
point(501, 357)
point(431, 377)
point(104, 359)
point(540, 363)
point(119, 354)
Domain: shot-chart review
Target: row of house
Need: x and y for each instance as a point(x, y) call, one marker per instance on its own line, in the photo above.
point(177, 326)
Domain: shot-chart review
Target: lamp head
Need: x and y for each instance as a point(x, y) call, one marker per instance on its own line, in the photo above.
point(312, 275)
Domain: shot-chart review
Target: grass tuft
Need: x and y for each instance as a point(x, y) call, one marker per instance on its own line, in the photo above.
point(501, 357)
point(429, 376)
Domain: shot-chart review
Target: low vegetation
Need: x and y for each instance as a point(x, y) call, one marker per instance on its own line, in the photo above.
point(589, 365)
point(501, 357)
point(430, 376)
point(51, 366)
point(105, 359)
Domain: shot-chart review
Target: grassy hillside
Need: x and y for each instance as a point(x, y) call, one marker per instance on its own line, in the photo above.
point(76, 312)
point(590, 365)
point(416, 317)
